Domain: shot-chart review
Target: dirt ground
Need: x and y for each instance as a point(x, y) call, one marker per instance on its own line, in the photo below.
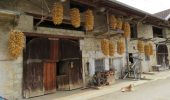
point(157, 90)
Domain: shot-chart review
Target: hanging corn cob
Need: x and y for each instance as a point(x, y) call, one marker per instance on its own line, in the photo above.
point(147, 49)
point(89, 20)
point(140, 46)
point(126, 28)
point(119, 23)
point(105, 46)
point(75, 17)
point(15, 43)
point(113, 22)
point(151, 49)
point(111, 49)
point(120, 46)
point(57, 13)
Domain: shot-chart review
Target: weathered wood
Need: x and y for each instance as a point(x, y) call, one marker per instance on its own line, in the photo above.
point(39, 72)
point(70, 69)
point(49, 77)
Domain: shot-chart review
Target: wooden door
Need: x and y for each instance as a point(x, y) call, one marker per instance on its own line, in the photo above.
point(70, 65)
point(49, 77)
point(50, 68)
point(162, 55)
point(75, 74)
point(39, 75)
point(36, 50)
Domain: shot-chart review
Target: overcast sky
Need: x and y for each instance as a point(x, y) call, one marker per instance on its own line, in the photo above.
point(150, 6)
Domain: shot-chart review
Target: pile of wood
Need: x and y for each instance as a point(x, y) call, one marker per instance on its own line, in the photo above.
point(103, 78)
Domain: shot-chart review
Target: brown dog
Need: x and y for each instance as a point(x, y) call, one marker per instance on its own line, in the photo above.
point(128, 88)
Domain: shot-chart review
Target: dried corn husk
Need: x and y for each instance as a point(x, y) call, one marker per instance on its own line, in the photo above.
point(57, 13)
point(75, 17)
point(111, 49)
point(89, 20)
point(140, 46)
point(119, 23)
point(126, 28)
point(151, 49)
point(120, 46)
point(15, 43)
point(113, 22)
point(105, 46)
point(147, 50)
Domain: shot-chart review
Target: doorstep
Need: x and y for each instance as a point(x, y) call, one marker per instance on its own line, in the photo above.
point(91, 93)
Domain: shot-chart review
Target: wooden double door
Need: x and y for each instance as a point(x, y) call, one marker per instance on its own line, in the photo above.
point(51, 64)
point(40, 62)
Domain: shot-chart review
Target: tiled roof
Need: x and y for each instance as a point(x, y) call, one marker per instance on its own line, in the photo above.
point(163, 14)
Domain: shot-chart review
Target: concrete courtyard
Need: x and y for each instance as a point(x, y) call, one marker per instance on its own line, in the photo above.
point(156, 90)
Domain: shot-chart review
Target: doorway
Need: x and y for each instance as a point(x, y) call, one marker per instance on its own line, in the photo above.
point(162, 56)
point(51, 64)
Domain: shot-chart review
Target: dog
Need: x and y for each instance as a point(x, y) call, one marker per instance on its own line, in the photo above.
point(128, 88)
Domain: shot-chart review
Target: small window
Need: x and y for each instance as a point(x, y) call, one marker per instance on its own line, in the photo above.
point(134, 32)
point(99, 65)
point(157, 32)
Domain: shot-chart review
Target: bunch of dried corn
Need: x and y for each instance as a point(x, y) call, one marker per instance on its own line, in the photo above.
point(126, 28)
point(89, 20)
point(147, 49)
point(119, 23)
point(15, 43)
point(120, 46)
point(75, 17)
point(111, 49)
point(113, 22)
point(151, 49)
point(140, 46)
point(57, 13)
point(105, 46)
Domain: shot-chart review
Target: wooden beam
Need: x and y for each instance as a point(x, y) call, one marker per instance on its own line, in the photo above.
point(86, 2)
point(51, 35)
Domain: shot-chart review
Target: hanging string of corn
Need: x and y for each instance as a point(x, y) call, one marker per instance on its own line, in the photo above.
point(89, 20)
point(105, 46)
point(140, 46)
point(75, 17)
point(126, 29)
point(15, 43)
point(119, 23)
point(151, 49)
point(147, 49)
point(120, 46)
point(113, 22)
point(57, 13)
point(111, 49)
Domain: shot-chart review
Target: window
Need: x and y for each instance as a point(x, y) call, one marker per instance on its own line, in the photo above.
point(99, 65)
point(134, 32)
point(157, 32)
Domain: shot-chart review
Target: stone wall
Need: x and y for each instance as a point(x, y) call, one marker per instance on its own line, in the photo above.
point(91, 51)
point(144, 31)
point(10, 69)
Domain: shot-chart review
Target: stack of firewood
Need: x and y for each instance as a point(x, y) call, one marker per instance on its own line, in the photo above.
point(103, 78)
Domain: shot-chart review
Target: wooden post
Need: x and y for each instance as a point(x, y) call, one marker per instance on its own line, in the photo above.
point(127, 53)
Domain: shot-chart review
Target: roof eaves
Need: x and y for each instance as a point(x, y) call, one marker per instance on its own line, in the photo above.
point(135, 9)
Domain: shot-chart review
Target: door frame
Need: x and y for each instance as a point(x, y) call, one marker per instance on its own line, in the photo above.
point(166, 53)
point(52, 37)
